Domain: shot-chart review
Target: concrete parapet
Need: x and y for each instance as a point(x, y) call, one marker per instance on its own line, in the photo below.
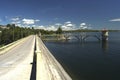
point(48, 68)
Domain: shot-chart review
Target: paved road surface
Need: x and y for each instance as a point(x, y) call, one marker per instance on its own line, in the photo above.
point(16, 63)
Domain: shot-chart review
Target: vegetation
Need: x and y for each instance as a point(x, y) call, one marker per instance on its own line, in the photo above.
point(59, 30)
point(12, 33)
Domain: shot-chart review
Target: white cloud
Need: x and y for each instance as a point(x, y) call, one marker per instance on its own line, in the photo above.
point(117, 19)
point(68, 22)
point(33, 25)
point(19, 25)
point(68, 26)
point(83, 26)
point(58, 24)
point(40, 27)
point(37, 20)
point(17, 22)
point(15, 19)
point(23, 22)
point(50, 27)
point(29, 21)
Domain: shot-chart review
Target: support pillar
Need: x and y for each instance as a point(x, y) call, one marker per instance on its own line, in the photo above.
point(105, 35)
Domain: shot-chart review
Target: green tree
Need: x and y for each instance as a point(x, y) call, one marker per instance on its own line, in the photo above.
point(8, 25)
point(59, 30)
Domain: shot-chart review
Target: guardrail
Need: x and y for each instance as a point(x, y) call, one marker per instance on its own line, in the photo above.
point(6, 48)
point(48, 68)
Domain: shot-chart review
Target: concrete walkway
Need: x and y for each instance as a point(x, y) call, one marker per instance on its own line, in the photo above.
point(16, 63)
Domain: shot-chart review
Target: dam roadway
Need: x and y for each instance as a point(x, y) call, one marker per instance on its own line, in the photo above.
point(16, 62)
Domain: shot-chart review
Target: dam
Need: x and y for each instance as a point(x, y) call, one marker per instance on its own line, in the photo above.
point(16, 61)
point(48, 68)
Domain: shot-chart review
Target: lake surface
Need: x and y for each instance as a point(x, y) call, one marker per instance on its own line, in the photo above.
point(89, 60)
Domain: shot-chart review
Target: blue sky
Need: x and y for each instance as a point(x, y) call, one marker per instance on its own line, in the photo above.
point(47, 14)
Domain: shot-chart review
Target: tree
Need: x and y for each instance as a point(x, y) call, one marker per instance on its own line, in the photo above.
point(59, 30)
point(8, 25)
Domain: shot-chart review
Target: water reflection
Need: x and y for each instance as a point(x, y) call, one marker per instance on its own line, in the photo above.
point(91, 59)
point(105, 46)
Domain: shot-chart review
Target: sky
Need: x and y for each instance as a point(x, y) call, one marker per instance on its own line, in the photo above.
point(69, 14)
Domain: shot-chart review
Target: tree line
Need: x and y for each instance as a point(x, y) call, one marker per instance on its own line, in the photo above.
point(12, 33)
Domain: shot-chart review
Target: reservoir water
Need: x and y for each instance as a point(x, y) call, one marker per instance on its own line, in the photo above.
point(89, 60)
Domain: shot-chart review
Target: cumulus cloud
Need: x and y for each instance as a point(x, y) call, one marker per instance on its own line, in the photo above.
point(40, 27)
point(83, 26)
point(117, 19)
point(68, 26)
point(49, 28)
point(15, 19)
point(28, 21)
point(16, 22)
point(58, 24)
point(68, 22)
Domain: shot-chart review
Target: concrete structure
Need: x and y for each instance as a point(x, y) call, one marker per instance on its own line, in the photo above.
point(48, 67)
point(16, 59)
point(105, 35)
